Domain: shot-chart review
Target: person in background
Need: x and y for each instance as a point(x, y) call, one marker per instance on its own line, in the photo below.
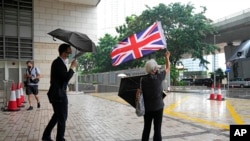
point(59, 79)
point(32, 76)
point(153, 100)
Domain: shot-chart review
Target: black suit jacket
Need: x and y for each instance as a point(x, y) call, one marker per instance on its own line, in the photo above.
point(59, 78)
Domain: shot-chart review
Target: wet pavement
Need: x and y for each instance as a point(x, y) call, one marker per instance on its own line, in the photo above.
point(106, 117)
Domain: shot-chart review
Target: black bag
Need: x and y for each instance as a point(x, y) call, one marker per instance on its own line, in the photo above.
point(25, 83)
point(34, 80)
point(31, 80)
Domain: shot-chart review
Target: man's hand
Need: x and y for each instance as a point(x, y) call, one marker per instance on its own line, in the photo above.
point(27, 76)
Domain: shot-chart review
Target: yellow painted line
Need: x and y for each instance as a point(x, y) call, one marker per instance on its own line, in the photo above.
point(169, 111)
point(236, 117)
point(111, 98)
point(174, 105)
point(197, 120)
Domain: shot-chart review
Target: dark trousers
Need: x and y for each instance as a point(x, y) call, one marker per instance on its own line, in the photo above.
point(59, 117)
point(155, 116)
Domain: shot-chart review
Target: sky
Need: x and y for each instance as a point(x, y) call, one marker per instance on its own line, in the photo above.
point(115, 11)
point(216, 9)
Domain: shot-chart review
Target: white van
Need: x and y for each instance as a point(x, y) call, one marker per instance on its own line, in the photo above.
point(239, 82)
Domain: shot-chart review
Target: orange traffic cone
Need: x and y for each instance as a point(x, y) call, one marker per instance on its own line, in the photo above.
point(21, 93)
point(219, 95)
point(212, 96)
point(12, 105)
point(18, 96)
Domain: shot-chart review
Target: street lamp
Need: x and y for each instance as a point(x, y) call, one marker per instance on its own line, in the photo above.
point(214, 61)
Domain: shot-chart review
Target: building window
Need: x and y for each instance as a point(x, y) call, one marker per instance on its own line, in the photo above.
point(16, 29)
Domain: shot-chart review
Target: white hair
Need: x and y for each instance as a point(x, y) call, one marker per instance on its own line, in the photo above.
point(151, 65)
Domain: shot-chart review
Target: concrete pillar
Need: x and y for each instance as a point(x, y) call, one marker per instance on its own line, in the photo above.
point(239, 68)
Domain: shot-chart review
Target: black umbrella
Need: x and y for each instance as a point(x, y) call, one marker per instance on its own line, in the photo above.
point(76, 39)
point(243, 51)
point(75, 54)
point(128, 87)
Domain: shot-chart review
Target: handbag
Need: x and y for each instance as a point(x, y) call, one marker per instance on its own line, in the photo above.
point(34, 80)
point(25, 83)
point(139, 106)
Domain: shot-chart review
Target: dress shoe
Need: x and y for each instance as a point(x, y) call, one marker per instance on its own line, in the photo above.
point(30, 108)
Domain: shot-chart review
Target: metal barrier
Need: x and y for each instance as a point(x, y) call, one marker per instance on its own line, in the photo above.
point(5, 93)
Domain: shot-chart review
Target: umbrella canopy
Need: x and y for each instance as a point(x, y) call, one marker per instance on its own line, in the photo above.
point(128, 87)
point(76, 39)
point(242, 51)
point(75, 54)
point(121, 75)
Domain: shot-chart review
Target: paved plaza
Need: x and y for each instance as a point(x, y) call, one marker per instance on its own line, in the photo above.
point(106, 117)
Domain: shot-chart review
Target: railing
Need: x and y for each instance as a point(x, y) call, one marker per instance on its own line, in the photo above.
point(5, 93)
point(232, 16)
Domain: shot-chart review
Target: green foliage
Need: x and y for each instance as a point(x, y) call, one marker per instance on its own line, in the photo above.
point(86, 63)
point(99, 61)
point(184, 30)
point(220, 75)
point(102, 57)
point(174, 75)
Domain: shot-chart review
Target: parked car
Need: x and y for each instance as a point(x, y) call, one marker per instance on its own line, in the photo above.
point(239, 82)
point(203, 82)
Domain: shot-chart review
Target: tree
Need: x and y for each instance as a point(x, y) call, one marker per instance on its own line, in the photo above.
point(185, 30)
point(220, 75)
point(99, 61)
point(86, 63)
point(102, 57)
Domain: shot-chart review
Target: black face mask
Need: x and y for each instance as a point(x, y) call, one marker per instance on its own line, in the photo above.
point(29, 67)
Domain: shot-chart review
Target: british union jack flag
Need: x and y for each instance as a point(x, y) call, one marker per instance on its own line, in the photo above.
point(139, 44)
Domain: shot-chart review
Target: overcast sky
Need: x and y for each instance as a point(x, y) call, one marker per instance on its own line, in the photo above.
point(115, 11)
point(216, 9)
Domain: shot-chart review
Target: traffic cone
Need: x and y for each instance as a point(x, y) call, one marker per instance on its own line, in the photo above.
point(219, 95)
point(21, 92)
point(18, 96)
point(212, 96)
point(12, 105)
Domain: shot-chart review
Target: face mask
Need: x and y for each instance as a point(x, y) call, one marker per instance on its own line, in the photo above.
point(29, 67)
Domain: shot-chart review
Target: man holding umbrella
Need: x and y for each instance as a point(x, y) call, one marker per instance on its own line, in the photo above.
point(59, 78)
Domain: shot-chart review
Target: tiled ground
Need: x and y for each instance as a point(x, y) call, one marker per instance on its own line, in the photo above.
point(105, 117)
